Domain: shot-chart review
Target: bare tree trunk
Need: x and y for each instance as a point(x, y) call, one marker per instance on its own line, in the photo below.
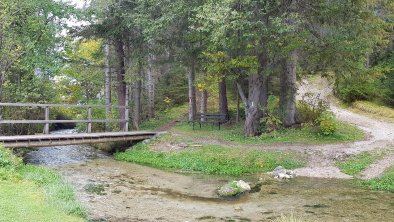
point(258, 98)
point(223, 105)
point(204, 103)
point(121, 84)
point(254, 112)
point(238, 105)
point(137, 101)
point(288, 90)
point(108, 101)
point(150, 83)
point(192, 91)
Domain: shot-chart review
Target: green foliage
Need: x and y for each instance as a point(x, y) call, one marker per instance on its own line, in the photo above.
point(357, 163)
point(8, 160)
point(327, 123)
point(213, 159)
point(271, 123)
point(386, 182)
point(310, 108)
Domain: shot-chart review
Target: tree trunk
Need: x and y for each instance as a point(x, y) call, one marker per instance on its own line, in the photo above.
point(150, 83)
point(137, 101)
point(121, 84)
point(288, 90)
point(204, 103)
point(107, 87)
point(254, 111)
point(192, 91)
point(258, 98)
point(223, 105)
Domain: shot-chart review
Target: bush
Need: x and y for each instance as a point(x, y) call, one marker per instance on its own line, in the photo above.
point(327, 123)
point(310, 108)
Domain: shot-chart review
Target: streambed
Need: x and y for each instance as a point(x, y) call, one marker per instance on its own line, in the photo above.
point(120, 191)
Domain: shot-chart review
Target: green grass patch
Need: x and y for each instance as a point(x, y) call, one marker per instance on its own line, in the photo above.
point(357, 163)
point(213, 159)
point(33, 193)
point(385, 183)
point(234, 133)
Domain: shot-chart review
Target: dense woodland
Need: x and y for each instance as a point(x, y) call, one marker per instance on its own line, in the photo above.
point(154, 54)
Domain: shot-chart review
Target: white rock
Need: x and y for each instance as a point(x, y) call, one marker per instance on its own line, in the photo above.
point(243, 185)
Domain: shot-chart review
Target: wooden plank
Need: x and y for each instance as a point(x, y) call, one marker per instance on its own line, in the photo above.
point(73, 141)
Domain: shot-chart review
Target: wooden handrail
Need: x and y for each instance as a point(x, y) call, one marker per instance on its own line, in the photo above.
point(47, 121)
point(60, 105)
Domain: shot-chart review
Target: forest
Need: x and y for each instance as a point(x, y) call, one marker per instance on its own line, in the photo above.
point(155, 54)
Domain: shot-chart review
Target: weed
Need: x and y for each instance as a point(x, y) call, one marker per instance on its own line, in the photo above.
point(357, 163)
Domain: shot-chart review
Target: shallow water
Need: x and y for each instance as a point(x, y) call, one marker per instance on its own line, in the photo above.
point(129, 192)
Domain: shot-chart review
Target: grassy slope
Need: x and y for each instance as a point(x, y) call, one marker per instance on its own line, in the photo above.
point(213, 159)
point(32, 193)
point(26, 201)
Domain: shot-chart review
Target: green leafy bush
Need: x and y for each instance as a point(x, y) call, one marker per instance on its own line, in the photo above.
point(310, 108)
point(271, 123)
point(327, 123)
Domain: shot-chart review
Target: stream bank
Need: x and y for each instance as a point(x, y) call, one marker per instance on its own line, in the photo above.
point(120, 191)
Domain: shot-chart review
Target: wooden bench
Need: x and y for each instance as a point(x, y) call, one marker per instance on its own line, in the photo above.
point(214, 118)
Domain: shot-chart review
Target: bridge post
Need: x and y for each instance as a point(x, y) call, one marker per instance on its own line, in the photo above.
point(46, 127)
point(89, 119)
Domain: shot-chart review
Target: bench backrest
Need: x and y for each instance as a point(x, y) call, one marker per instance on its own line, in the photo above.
point(210, 116)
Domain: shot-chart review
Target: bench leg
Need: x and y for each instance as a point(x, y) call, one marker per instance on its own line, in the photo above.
point(219, 126)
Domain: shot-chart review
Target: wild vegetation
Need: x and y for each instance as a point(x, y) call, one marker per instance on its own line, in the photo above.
point(34, 193)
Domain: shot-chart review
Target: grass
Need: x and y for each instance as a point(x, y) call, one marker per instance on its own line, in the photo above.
point(371, 109)
point(32, 193)
point(357, 163)
point(213, 159)
point(385, 183)
point(234, 133)
point(164, 117)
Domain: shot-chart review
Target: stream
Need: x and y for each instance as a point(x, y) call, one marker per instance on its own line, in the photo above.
point(120, 191)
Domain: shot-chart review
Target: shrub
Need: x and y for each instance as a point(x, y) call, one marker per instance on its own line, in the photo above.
point(327, 123)
point(310, 108)
point(7, 159)
point(271, 123)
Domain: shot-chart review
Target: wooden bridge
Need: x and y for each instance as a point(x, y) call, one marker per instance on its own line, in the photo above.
point(88, 137)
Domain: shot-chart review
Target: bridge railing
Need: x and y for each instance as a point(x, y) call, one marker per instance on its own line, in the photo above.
point(47, 121)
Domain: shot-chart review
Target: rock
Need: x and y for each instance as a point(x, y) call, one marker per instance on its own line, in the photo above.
point(233, 188)
point(281, 173)
point(183, 145)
